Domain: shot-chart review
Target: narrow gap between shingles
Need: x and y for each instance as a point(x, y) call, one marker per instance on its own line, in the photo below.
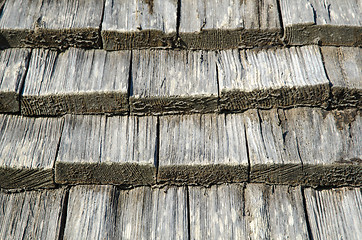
point(188, 213)
point(280, 18)
point(100, 41)
point(22, 81)
point(178, 18)
point(130, 84)
point(58, 147)
point(157, 148)
point(329, 80)
point(247, 153)
point(310, 235)
point(63, 218)
point(218, 85)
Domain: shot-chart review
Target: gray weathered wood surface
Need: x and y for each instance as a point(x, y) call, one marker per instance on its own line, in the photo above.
point(225, 24)
point(271, 78)
point(305, 146)
point(329, 22)
point(166, 82)
point(13, 64)
point(76, 81)
point(202, 149)
point(102, 212)
point(31, 215)
point(116, 150)
point(139, 24)
point(53, 24)
point(344, 69)
point(27, 151)
point(335, 213)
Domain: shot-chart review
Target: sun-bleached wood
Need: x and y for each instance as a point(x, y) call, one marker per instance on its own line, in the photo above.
point(202, 149)
point(76, 81)
point(139, 24)
point(170, 82)
point(344, 69)
point(102, 212)
point(275, 212)
point(281, 77)
point(306, 146)
point(13, 64)
point(116, 150)
point(225, 24)
point(334, 213)
point(329, 22)
point(28, 148)
point(31, 215)
point(51, 24)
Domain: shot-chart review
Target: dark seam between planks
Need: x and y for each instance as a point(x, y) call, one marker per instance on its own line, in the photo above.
point(188, 213)
point(247, 154)
point(57, 151)
point(100, 39)
point(304, 202)
point(22, 81)
point(157, 148)
point(64, 213)
point(281, 22)
point(130, 83)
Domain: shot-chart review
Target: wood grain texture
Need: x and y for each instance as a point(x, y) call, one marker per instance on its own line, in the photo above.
point(226, 24)
point(344, 69)
point(282, 77)
point(76, 81)
point(329, 22)
point(139, 24)
point(202, 149)
point(275, 212)
point(13, 64)
point(172, 82)
point(305, 146)
point(102, 212)
point(31, 215)
point(334, 213)
point(116, 150)
point(51, 24)
point(27, 151)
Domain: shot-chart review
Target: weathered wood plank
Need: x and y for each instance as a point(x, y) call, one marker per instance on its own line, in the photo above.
point(335, 213)
point(329, 22)
point(139, 24)
point(272, 78)
point(275, 212)
point(226, 24)
point(31, 215)
point(168, 82)
point(27, 151)
point(344, 69)
point(51, 24)
point(13, 64)
point(202, 149)
point(305, 146)
point(76, 81)
point(119, 150)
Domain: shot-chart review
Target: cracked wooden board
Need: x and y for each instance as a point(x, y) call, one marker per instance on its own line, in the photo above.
point(27, 151)
point(334, 213)
point(31, 215)
point(76, 81)
point(202, 149)
point(329, 22)
point(344, 68)
point(139, 24)
point(116, 150)
point(13, 65)
point(226, 24)
point(102, 212)
point(173, 82)
point(305, 146)
point(282, 77)
point(51, 24)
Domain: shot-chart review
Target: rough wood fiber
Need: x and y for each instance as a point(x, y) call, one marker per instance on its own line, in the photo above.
point(272, 78)
point(275, 212)
point(13, 63)
point(27, 151)
point(335, 213)
point(170, 82)
point(225, 24)
point(139, 24)
point(76, 81)
point(344, 69)
point(119, 150)
point(51, 24)
point(329, 22)
point(305, 146)
point(202, 149)
point(31, 215)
